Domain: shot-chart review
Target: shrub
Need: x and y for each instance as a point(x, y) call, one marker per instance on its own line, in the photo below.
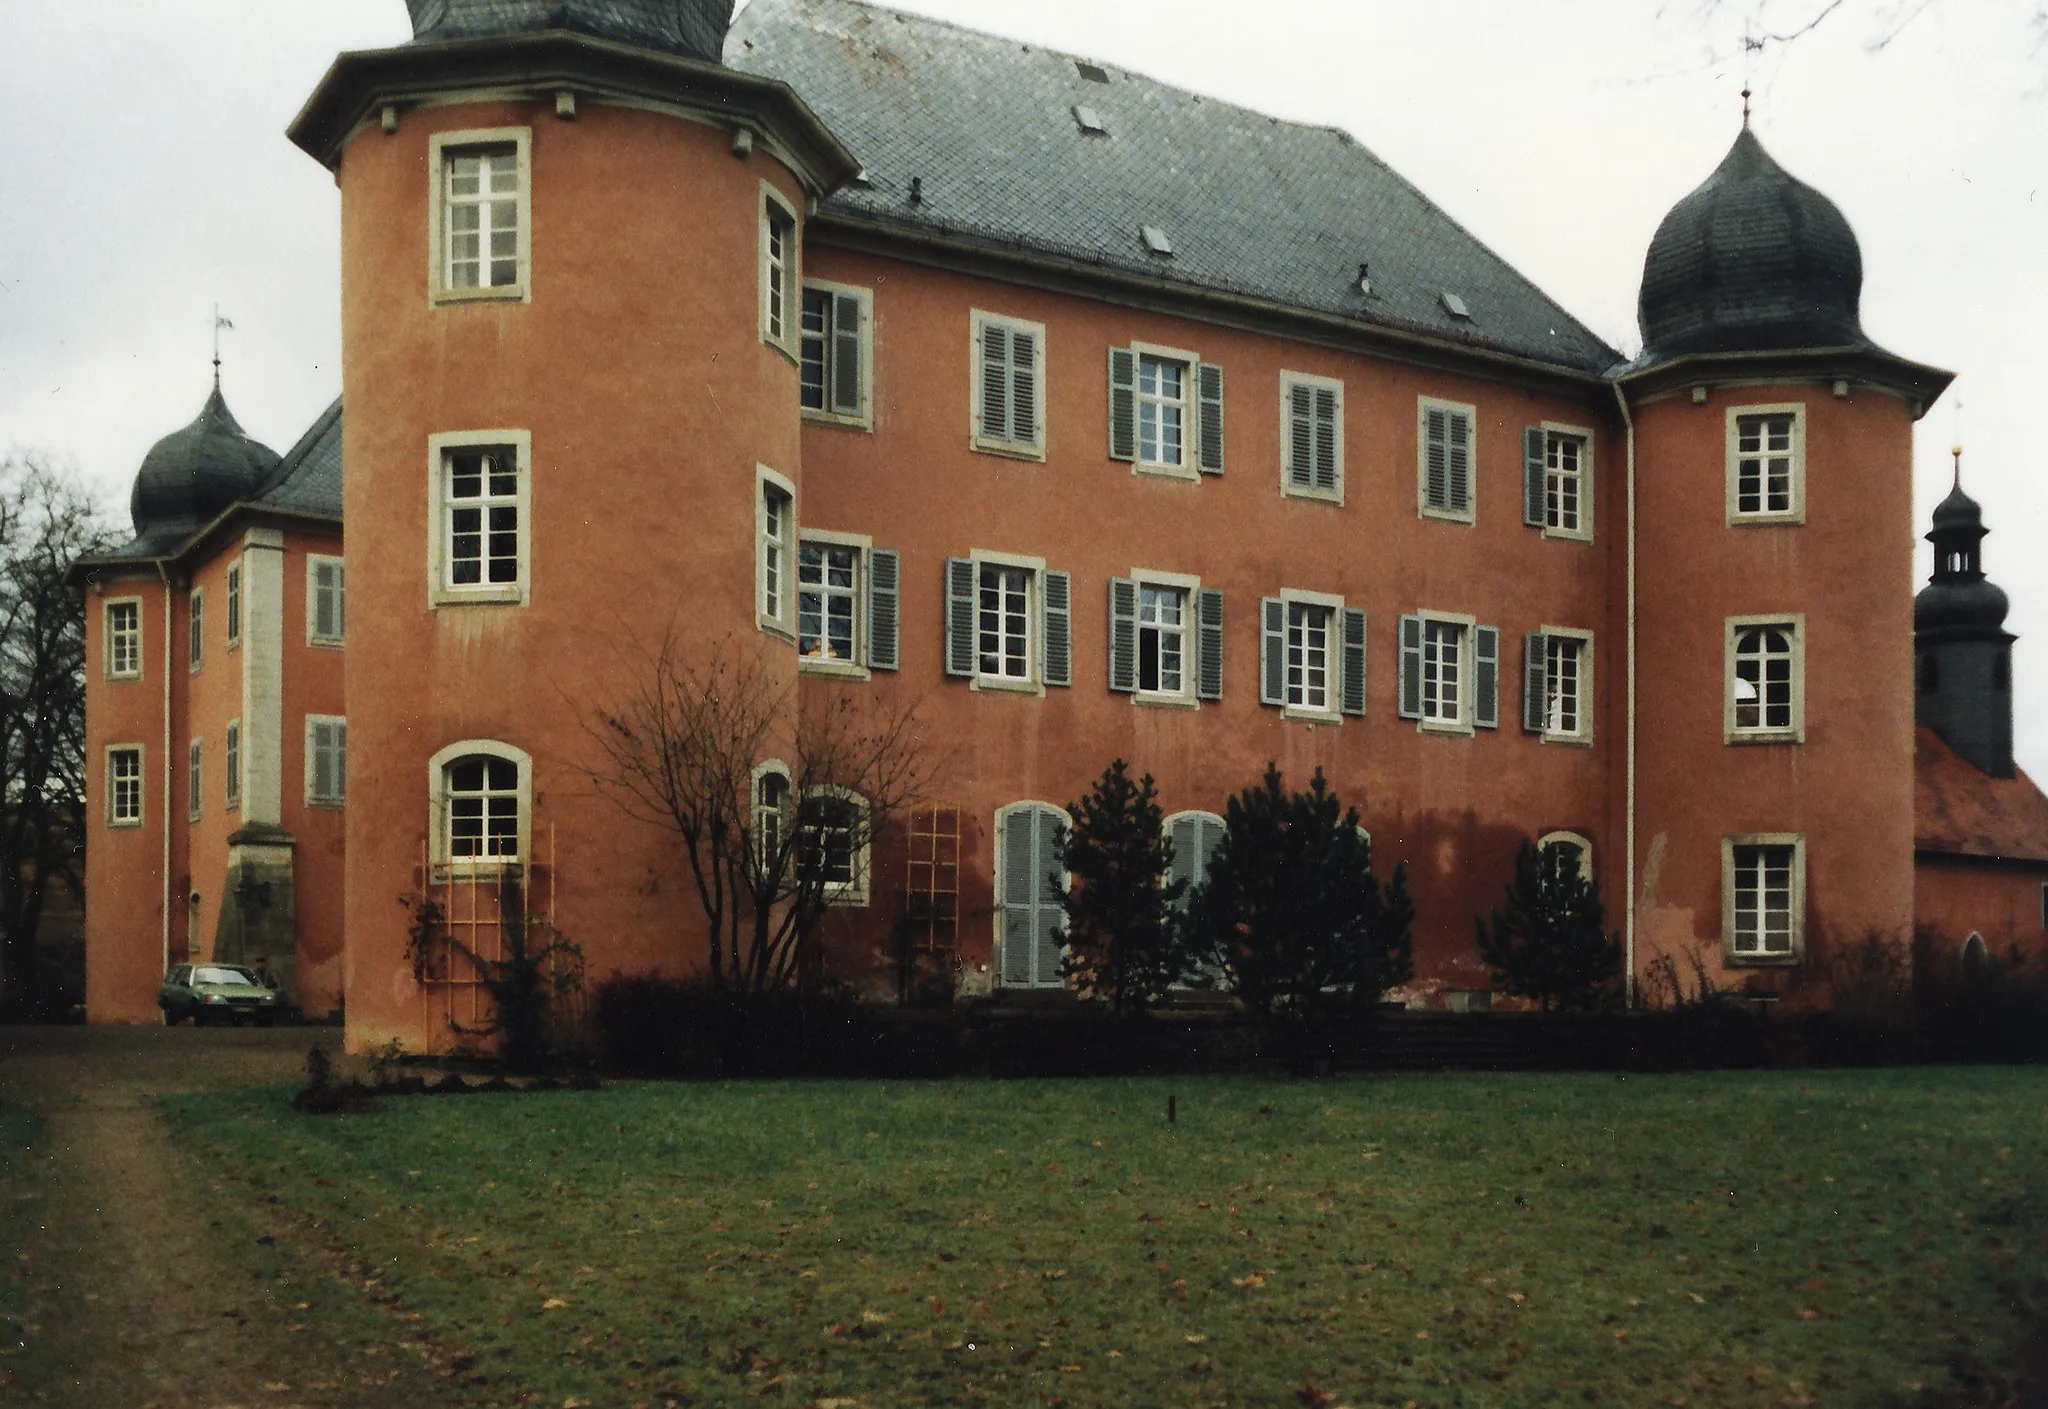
point(1549, 941)
point(648, 1025)
point(1120, 936)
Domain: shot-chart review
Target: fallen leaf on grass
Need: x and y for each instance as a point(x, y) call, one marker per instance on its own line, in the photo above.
point(572, 1402)
point(1196, 1339)
point(1809, 1313)
point(553, 1303)
point(1250, 1279)
point(1695, 1298)
point(873, 1318)
point(278, 1387)
point(1422, 1335)
point(1313, 1396)
point(1518, 1297)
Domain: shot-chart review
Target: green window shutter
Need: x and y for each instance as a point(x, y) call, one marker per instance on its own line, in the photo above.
point(1186, 835)
point(1059, 652)
point(959, 616)
point(1123, 635)
point(846, 358)
point(885, 573)
point(1301, 435)
point(1486, 677)
point(1272, 651)
point(1209, 384)
point(1460, 461)
point(1326, 439)
point(1020, 874)
point(323, 761)
point(1535, 470)
point(1535, 681)
point(1411, 668)
point(1051, 915)
point(340, 601)
point(1353, 681)
point(1123, 404)
point(995, 382)
point(1209, 643)
point(340, 761)
point(1024, 398)
point(1436, 459)
point(325, 595)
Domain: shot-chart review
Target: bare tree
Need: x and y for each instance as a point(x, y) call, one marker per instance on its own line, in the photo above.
point(46, 524)
point(1883, 21)
point(776, 795)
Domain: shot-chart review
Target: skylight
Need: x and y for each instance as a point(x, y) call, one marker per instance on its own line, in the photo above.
point(1155, 239)
point(1455, 306)
point(1090, 120)
point(1094, 73)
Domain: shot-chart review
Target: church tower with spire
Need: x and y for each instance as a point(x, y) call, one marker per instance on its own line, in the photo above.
point(1963, 678)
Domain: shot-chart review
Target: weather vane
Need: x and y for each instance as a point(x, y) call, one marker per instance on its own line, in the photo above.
point(219, 323)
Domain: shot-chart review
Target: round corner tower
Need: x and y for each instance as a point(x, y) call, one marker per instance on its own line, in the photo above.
point(570, 304)
point(1773, 776)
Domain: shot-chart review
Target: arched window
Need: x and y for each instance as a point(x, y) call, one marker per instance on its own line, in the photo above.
point(482, 792)
point(771, 812)
point(1195, 837)
point(1576, 842)
point(1976, 958)
point(1029, 883)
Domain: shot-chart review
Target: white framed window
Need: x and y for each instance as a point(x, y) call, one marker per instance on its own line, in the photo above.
point(1767, 464)
point(1165, 411)
point(780, 284)
point(772, 812)
point(1311, 437)
point(1165, 638)
point(1443, 472)
point(195, 627)
point(1579, 846)
point(774, 552)
point(1557, 684)
point(326, 601)
point(1008, 386)
point(1450, 673)
point(1766, 673)
point(231, 766)
point(1312, 657)
point(1008, 622)
point(847, 604)
point(1557, 481)
point(479, 221)
point(195, 787)
point(234, 623)
point(832, 844)
point(482, 804)
point(480, 543)
point(1763, 898)
point(326, 760)
point(124, 785)
point(123, 628)
point(837, 356)
point(1029, 884)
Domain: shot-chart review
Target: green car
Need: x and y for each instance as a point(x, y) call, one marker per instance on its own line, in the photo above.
point(218, 993)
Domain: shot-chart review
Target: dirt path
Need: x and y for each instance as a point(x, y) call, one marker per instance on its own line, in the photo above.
point(132, 1297)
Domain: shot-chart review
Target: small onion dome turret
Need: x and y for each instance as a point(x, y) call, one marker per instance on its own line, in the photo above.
point(191, 475)
point(1752, 261)
point(692, 28)
point(1959, 599)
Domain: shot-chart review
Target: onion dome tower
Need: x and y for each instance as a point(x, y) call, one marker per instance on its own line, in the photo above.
point(1963, 688)
point(1753, 260)
point(191, 475)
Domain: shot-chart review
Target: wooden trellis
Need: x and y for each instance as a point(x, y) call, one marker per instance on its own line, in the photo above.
point(470, 901)
point(931, 890)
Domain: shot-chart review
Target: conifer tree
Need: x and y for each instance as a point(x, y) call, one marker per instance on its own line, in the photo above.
point(1549, 941)
point(1292, 911)
point(1120, 938)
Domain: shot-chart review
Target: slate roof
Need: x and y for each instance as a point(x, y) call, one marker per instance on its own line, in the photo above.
point(1251, 205)
point(1961, 811)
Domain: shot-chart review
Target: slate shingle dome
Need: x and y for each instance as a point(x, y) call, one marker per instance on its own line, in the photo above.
point(1754, 260)
point(1960, 597)
point(192, 474)
point(692, 28)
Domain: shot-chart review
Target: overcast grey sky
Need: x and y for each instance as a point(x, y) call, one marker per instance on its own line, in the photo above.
point(144, 175)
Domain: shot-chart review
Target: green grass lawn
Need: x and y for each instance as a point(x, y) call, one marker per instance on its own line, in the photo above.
point(1716, 1239)
point(18, 1133)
